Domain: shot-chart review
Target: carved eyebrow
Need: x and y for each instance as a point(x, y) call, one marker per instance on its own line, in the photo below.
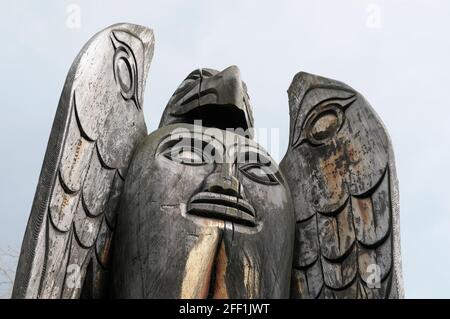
point(329, 94)
point(329, 100)
point(334, 98)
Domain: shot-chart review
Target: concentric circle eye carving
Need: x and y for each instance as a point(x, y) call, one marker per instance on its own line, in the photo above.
point(125, 73)
point(323, 123)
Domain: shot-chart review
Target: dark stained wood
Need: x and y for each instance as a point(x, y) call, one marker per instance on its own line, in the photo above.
point(119, 214)
point(341, 173)
point(210, 230)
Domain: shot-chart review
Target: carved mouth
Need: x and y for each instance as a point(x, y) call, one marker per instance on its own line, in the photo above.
point(224, 207)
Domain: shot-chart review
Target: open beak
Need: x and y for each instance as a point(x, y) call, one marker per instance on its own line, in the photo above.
point(222, 93)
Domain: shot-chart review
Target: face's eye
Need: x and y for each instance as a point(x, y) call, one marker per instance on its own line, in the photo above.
point(260, 173)
point(187, 155)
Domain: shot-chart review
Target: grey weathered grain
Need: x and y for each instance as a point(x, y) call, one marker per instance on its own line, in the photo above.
point(98, 123)
point(217, 98)
point(226, 226)
point(170, 250)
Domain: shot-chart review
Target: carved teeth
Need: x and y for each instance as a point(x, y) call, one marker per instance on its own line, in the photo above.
point(223, 207)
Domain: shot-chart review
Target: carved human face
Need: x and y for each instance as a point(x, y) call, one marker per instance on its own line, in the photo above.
point(205, 213)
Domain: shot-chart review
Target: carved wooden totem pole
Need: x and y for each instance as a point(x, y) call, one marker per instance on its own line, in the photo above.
point(197, 209)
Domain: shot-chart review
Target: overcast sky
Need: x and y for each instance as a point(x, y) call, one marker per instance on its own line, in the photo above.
point(394, 52)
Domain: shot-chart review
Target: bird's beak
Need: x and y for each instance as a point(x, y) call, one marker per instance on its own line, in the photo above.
point(224, 89)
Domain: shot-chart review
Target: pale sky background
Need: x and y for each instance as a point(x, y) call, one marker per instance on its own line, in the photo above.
point(396, 52)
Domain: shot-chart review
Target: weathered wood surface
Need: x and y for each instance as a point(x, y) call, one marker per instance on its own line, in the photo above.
point(340, 169)
point(98, 124)
point(217, 98)
point(222, 228)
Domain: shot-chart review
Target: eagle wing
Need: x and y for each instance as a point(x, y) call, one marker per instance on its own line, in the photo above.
point(341, 173)
point(98, 123)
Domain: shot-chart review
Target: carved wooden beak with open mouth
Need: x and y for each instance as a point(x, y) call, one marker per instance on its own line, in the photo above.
point(218, 99)
point(223, 207)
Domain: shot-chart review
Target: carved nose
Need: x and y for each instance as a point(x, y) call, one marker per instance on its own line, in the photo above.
point(223, 184)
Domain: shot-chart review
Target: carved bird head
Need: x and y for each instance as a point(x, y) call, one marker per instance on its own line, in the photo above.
point(217, 98)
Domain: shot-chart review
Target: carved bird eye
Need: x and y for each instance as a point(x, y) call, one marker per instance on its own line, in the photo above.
point(317, 122)
point(323, 123)
point(259, 173)
point(125, 73)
